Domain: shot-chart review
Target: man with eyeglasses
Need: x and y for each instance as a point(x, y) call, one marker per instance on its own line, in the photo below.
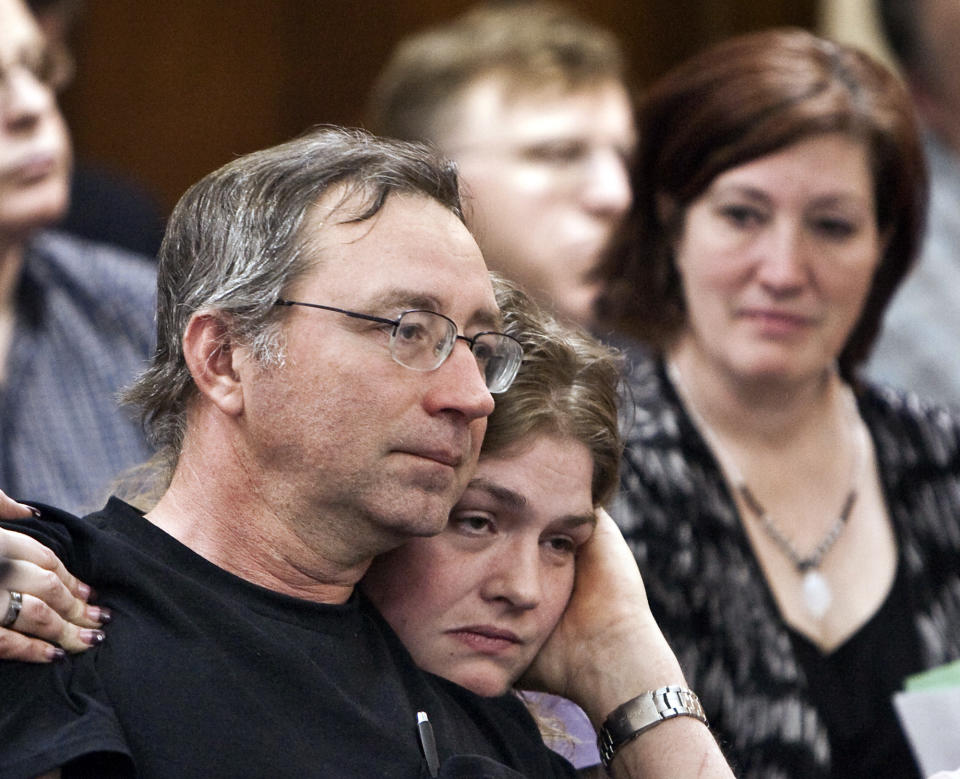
point(75, 324)
point(531, 101)
point(328, 345)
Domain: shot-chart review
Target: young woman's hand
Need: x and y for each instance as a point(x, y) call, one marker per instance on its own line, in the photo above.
point(606, 627)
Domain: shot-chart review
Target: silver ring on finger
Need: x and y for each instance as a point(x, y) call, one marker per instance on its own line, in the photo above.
point(13, 609)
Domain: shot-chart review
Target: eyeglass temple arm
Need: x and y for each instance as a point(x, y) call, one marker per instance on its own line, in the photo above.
point(353, 314)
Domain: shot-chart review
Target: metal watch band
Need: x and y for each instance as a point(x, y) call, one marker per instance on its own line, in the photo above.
point(648, 709)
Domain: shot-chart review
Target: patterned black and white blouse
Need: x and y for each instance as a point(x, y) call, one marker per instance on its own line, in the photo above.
point(763, 690)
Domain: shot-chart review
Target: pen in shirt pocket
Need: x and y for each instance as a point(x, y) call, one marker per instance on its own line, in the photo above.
point(428, 743)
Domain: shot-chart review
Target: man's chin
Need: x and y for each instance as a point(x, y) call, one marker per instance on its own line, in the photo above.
point(433, 519)
point(423, 515)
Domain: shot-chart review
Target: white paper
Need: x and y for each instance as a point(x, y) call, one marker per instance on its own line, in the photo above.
point(931, 721)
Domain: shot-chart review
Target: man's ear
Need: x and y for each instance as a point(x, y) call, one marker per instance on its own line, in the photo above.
point(213, 360)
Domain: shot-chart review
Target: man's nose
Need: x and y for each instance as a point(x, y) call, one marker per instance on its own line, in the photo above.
point(459, 386)
point(606, 189)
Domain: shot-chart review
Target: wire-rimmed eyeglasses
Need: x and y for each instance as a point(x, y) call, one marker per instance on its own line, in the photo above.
point(421, 340)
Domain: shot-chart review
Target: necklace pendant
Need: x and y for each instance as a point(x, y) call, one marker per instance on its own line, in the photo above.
point(817, 595)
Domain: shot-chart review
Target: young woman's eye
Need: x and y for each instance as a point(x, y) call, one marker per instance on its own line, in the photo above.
point(472, 524)
point(563, 545)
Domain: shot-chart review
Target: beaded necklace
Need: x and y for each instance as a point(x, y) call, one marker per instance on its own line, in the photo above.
point(816, 591)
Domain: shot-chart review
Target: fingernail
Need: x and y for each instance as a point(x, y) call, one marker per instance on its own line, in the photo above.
point(99, 614)
point(85, 591)
point(55, 654)
point(92, 637)
point(35, 512)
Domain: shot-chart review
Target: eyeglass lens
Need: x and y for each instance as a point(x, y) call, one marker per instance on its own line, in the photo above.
point(422, 340)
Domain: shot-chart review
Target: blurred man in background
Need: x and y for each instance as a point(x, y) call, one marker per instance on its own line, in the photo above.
point(530, 101)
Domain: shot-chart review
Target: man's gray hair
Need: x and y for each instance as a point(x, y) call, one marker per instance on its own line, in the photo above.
point(235, 242)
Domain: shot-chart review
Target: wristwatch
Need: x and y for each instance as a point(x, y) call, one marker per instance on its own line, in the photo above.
point(648, 709)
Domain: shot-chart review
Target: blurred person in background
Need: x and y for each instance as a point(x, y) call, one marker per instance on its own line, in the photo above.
point(531, 102)
point(917, 348)
point(104, 206)
point(796, 528)
point(75, 317)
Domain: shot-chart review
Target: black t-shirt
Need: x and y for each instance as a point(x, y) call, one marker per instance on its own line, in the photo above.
point(205, 674)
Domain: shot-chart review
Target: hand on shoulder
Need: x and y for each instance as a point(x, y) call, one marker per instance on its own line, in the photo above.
point(43, 607)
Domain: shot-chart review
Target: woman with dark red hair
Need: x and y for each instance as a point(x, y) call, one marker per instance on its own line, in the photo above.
point(796, 528)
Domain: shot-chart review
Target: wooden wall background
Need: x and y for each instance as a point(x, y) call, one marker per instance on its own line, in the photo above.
point(168, 90)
